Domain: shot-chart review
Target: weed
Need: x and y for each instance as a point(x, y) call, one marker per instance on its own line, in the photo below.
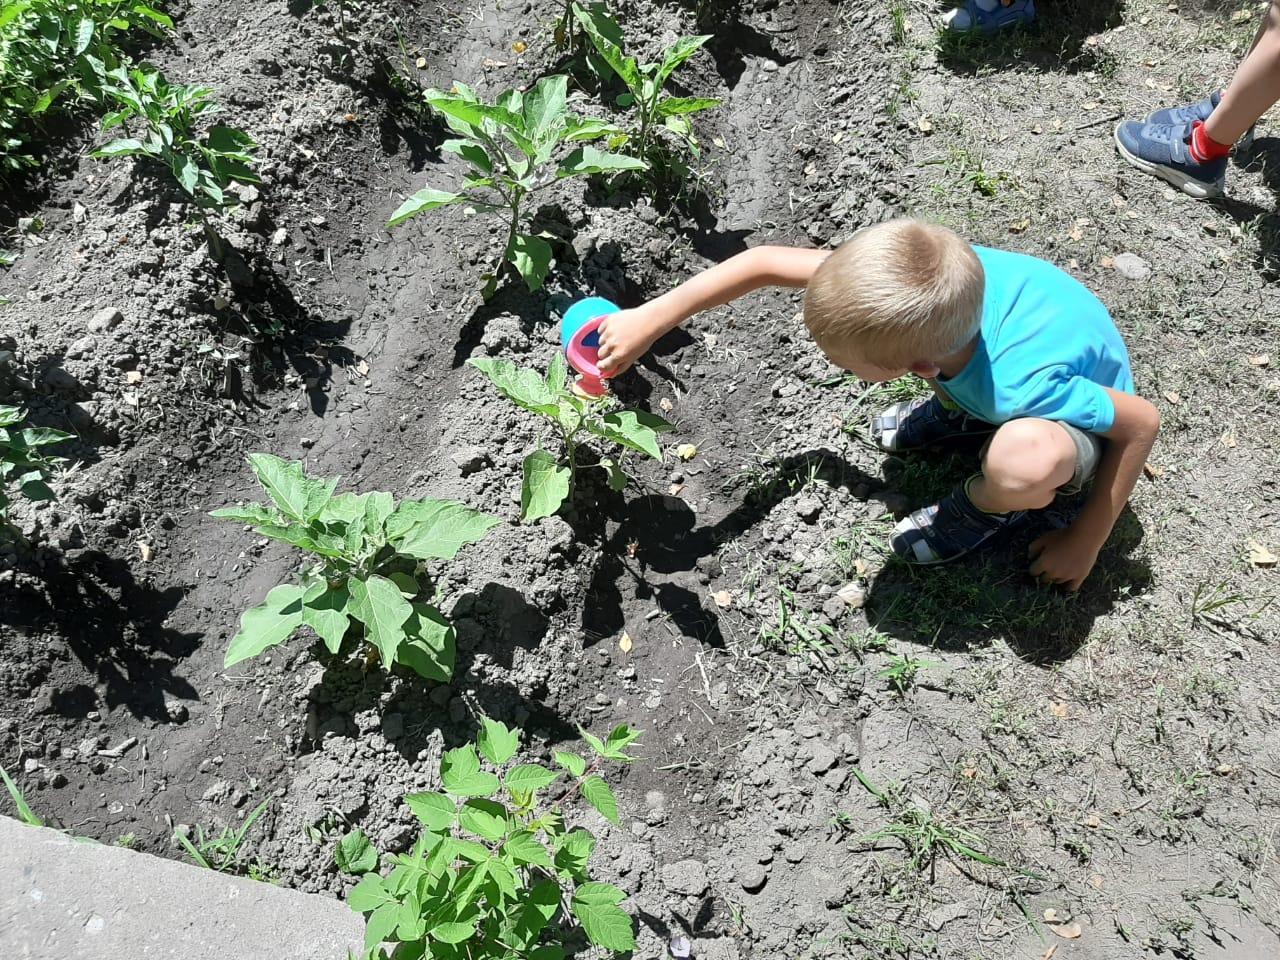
point(653, 109)
point(539, 126)
point(901, 672)
point(547, 482)
point(24, 468)
point(371, 552)
point(25, 813)
point(126, 840)
point(923, 834)
point(57, 53)
point(486, 878)
point(900, 25)
point(221, 853)
point(966, 167)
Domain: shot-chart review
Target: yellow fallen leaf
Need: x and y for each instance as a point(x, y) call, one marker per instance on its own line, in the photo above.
point(421, 63)
point(1173, 396)
point(1059, 710)
point(1067, 931)
point(133, 376)
point(1261, 556)
point(1261, 360)
point(1020, 226)
point(519, 46)
point(723, 599)
point(924, 125)
point(624, 642)
point(665, 405)
point(686, 451)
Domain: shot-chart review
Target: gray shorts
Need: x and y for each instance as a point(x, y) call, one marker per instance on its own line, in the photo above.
point(1088, 455)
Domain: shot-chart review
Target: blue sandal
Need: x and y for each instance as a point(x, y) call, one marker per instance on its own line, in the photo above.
point(973, 16)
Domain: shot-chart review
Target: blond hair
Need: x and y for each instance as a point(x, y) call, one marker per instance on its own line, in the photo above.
point(897, 292)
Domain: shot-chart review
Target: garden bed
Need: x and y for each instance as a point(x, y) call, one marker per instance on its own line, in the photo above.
point(1113, 755)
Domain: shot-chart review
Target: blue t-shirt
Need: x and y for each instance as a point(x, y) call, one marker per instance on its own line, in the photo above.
point(1047, 348)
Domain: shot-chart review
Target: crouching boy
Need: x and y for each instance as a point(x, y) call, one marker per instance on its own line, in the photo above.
point(1013, 348)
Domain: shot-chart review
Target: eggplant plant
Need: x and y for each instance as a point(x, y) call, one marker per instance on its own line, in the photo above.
point(516, 146)
point(651, 107)
point(497, 872)
point(549, 477)
point(367, 583)
point(24, 467)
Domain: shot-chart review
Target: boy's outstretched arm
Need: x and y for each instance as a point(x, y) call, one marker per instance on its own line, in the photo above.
point(1066, 556)
point(624, 336)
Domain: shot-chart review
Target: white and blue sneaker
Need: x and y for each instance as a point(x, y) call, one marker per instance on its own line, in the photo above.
point(1163, 150)
point(989, 15)
point(1201, 111)
point(948, 529)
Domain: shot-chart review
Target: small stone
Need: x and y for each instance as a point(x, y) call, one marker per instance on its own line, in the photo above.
point(81, 348)
point(686, 878)
point(176, 711)
point(793, 852)
point(821, 758)
point(57, 781)
point(1132, 267)
point(808, 509)
point(105, 319)
point(753, 878)
point(469, 460)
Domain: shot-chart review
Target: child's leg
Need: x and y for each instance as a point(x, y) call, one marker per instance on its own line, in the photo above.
point(1023, 467)
point(1254, 89)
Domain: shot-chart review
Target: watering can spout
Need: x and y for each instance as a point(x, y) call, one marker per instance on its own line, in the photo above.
point(580, 340)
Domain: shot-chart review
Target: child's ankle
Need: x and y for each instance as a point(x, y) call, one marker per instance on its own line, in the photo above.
point(1203, 147)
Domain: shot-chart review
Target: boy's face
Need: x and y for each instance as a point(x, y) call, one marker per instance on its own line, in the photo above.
point(845, 358)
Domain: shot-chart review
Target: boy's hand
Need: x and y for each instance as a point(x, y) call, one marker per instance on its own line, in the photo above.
point(1063, 556)
point(624, 337)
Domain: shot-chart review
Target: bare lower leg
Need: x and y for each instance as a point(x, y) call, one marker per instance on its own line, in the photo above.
point(1255, 87)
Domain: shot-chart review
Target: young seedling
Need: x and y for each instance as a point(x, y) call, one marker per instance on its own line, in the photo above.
point(653, 109)
point(549, 478)
point(221, 853)
point(516, 146)
point(901, 671)
point(25, 813)
point(367, 582)
point(24, 468)
point(204, 164)
point(499, 879)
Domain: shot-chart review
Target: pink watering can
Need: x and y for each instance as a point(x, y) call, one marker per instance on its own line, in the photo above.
point(580, 338)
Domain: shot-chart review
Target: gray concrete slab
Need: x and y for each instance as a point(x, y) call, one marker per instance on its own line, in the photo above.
point(61, 899)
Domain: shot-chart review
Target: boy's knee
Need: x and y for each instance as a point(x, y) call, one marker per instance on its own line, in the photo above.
point(1030, 455)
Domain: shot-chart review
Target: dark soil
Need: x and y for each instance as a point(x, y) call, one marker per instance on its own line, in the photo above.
point(1113, 756)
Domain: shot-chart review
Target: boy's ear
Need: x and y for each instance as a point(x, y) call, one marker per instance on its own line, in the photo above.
point(924, 369)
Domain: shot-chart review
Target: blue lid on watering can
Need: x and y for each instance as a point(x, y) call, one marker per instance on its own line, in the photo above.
point(583, 312)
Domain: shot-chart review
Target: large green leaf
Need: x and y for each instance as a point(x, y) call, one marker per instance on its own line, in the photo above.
point(11, 415)
point(675, 106)
point(377, 603)
point(635, 429)
point(586, 128)
point(522, 386)
point(436, 529)
point(472, 112)
point(355, 854)
point(544, 108)
point(531, 256)
point(420, 202)
point(573, 851)
point(430, 645)
point(435, 810)
point(461, 775)
point(607, 925)
point(528, 777)
point(486, 819)
point(471, 151)
point(251, 513)
point(601, 797)
point(498, 742)
point(524, 847)
point(606, 36)
point(540, 904)
point(324, 611)
point(676, 54)
point(297, 495)
point(271, 622)
point(545, 486)
point(369, 894)
point(588, 159)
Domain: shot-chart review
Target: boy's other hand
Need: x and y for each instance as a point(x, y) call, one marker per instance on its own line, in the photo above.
point(624, 337)
point(1063, 556)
